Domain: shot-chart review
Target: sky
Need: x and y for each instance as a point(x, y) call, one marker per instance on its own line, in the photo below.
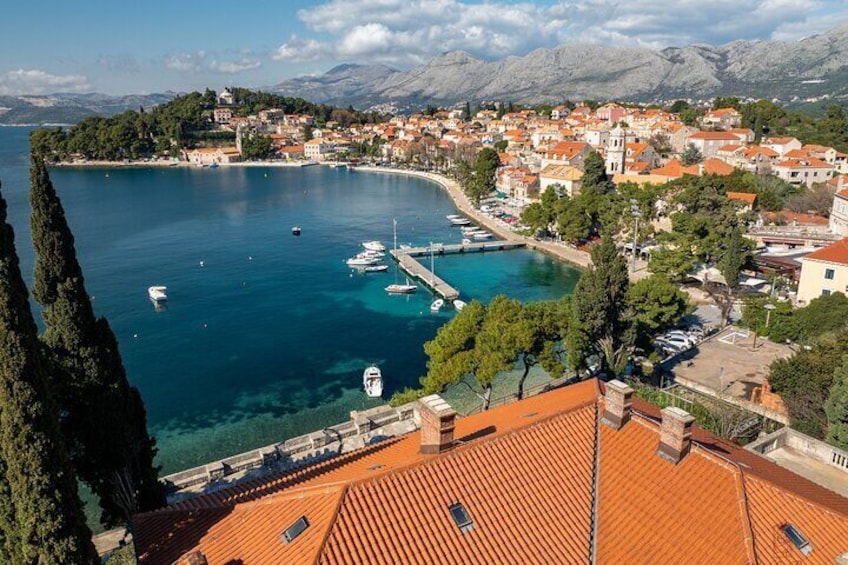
point(120, 47)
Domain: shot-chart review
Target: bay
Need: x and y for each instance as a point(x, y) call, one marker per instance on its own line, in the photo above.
point(268, 336)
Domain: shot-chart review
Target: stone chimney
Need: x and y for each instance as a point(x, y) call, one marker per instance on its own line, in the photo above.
point(193, 558)
point(675, 434)
point(618, 397)
point(437, 424)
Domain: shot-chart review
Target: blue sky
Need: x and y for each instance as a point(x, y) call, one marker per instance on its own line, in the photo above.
point(127, 47)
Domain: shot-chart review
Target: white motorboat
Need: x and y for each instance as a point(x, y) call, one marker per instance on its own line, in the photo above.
point(372, 382)
point(482, 235)
point(401, 288)
point(376, 268)
point(466, 241)
point(296, 230)
point(369, 253)
point(437, 305)
point(362, 261)
point(459, 305)
point(453, 216)
point(157, 294)
point(461, 222)
point(373, 246)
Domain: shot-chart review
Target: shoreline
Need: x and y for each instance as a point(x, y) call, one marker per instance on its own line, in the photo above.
point(174, 164)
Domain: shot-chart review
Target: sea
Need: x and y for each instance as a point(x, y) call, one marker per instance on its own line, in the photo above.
point(265, 335)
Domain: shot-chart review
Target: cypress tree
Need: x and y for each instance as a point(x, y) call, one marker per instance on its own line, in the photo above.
point(46, 521)
point(106, 422)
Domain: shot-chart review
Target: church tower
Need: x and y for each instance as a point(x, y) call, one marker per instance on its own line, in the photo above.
point(616, 149)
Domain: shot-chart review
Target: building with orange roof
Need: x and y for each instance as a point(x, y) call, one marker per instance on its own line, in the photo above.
point(566, 153)
point(839, 211)
point(723, 118)
point(709, 142)
point(748, 199)
point(566, 176)
point(568, 476)
point(208, 155)
point(782, 145)
point(806, 171)
point(824, 272)
point(672, 170)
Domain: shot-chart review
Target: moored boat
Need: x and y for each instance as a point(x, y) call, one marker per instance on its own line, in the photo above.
point(437, 305)
point(373, 245)
point(461, 222)
point(376, 268)
point(482, 235)
point(157, 293)
point(453, 216)
point(362, 261)
point(372, 382)
point(296, 230)
point(459, 305)
point(401, 288)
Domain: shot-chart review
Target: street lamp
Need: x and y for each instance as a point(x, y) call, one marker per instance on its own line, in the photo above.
point(769, 307)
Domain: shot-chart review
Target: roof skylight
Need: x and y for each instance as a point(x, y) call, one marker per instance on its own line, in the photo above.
point(461, 517)
point(295, 530)
point(797, 538)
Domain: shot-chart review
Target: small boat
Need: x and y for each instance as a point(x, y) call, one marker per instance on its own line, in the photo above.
point(378, 254)
point(437, 305)
point(376, 268)
point(466, 241)
point(459, 305)
point(373, 245)
point(360, 261)
point(213, 166)
point(372, 382)
point(483, 235)
point(461, 222)
point(401, 288)
point(157, 294)
point(453, 216)
point(296, 230)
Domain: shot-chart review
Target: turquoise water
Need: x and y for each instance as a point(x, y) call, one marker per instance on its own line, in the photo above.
point(268, 338)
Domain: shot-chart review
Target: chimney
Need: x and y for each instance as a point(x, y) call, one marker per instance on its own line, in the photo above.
point(437, 423)
point(675, 434)
point(192, 558)
point(618, 397)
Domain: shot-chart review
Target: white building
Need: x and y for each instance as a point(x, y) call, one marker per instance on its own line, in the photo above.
point(802, 172)
point(839, 213)
point(319, 149)
point(824, 272)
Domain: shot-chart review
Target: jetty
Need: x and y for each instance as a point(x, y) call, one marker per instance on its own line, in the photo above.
point(406, 258)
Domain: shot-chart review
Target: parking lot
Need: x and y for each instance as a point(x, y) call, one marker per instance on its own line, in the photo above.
point(729, 363)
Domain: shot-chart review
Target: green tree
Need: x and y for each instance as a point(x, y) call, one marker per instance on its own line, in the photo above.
point(256, 147)
point(656, 304)
point(836, 407)
point(547, 324)
point(734, 257)
point(598, 306)
point(594, 181)
point(485, 169)
point(504, 336)
point(48, 525)
point(106, 425)
point(691, 155)
point(450, 355)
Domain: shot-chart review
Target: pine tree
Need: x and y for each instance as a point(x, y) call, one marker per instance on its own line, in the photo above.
point(106, 424)
point(48, 525)
point(836, 407)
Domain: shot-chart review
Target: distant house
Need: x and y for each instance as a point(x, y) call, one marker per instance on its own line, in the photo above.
point(567, 153)
point(781, 145)
point(208, 155)
point(222, 115)
point(747, 199)
point(226, 98)
point(566, 176)
point(722, 118)
point(802, 171)
point(839, 213)
point(319, 149)
point(824, 272)
point(709, 142)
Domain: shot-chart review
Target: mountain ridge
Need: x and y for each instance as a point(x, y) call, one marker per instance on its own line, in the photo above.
point(813, 67)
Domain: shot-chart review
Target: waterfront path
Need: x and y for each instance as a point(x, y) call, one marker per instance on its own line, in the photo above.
point(559, 250)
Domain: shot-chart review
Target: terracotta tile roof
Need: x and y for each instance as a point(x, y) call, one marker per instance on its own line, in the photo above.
point(647, 509)
point(715, 136)
point(833, 253)
point(672, 169)
point(525, 473)
point(746, 197)
point(770, 507)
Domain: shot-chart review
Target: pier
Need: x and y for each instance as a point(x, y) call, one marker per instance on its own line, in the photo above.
point(409, 265)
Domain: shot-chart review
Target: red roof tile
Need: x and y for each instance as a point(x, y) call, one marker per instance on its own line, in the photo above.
point(833, 253)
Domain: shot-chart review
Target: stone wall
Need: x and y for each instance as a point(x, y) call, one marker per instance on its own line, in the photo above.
point(808, 446)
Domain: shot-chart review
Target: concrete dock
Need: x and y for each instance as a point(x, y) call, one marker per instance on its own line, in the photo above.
point(409, 265)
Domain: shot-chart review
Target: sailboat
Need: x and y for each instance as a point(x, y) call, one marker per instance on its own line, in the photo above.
point(397, 288)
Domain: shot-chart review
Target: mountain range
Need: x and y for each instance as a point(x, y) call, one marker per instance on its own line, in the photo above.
point(810, 68)
point(64, 108)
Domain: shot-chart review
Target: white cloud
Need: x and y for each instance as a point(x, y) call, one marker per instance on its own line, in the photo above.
point(35, 81)
point(185, 62)
point(233, 67)
point(412, 31)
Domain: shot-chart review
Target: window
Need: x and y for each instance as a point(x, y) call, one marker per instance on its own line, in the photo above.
point(826, 292)
point(797, 539)
point(295, 529)
point(828, 274)
point(461, 518)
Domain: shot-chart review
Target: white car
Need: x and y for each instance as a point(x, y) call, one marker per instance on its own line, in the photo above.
point(679, 343)
point(692, 339)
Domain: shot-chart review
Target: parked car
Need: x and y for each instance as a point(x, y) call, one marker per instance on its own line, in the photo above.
point(679, 343)
point(691, 338)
